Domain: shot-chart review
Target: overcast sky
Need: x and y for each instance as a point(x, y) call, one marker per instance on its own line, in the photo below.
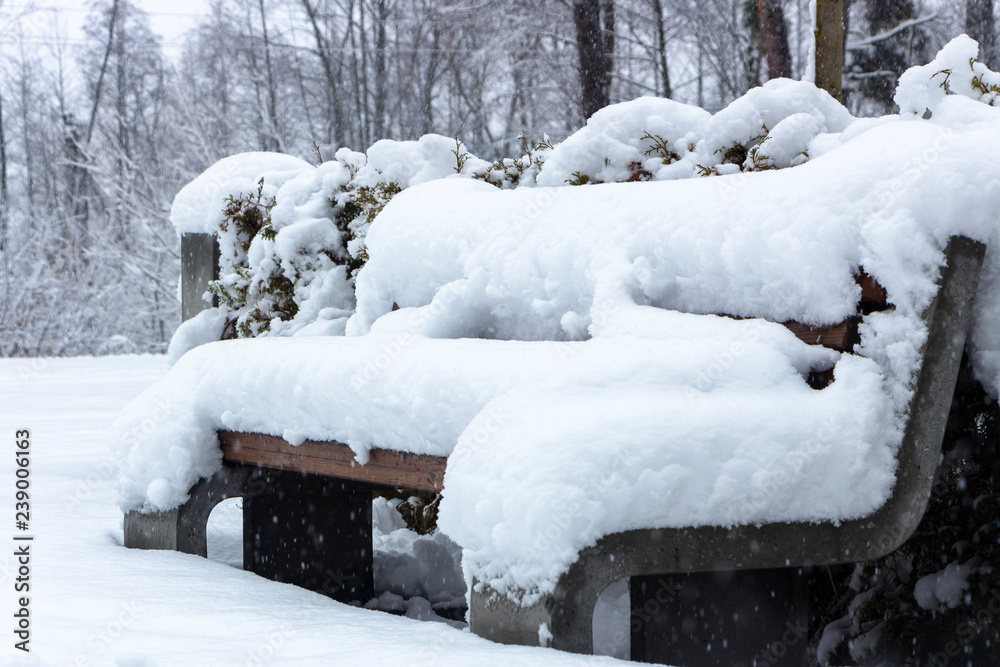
point(169, 18)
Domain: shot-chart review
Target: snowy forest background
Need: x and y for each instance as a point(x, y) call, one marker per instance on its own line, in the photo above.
point(98, 134)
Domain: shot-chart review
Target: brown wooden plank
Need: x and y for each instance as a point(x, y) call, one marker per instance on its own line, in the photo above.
point(841, 337)
point(873, 295)
point(419, 472)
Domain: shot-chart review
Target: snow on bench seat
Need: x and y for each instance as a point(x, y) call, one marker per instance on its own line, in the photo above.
point(558, 346)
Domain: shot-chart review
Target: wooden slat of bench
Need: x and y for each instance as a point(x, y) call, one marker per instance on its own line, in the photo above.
point(419, 472)
point(841, 337)
point(873, 296)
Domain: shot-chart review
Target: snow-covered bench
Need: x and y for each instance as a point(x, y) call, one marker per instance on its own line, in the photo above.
point(307, 505)
point(560, 351)
point(566, 612)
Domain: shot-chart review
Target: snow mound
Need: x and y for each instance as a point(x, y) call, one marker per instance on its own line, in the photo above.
point(197, 208)
point(412, 566)
point(945, 588)
point(205, 327)
point(954, 69)
point(762, 110)
point(648, 134)
point(410, 163)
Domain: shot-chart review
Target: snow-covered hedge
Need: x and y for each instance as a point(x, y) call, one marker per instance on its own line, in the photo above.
point(292, 271)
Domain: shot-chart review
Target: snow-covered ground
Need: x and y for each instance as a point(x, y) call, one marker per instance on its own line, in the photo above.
point(95, 603)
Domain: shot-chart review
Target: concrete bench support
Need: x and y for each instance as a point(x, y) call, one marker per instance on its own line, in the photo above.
point(199, 266)
point(312, 531)
point(721, 619)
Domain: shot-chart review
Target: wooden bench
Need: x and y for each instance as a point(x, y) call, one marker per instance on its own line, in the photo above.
point(307, 511)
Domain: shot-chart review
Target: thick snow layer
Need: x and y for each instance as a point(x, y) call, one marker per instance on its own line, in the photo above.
point(666, 140)
point(197, 208)
point(606, 383)
point(763, 109)
point(707, 414)
point(205, 327)
point(954, 69)
point(551, 263)
point(410, 163)
point(97, 604)
point(622, 135)
point(412, 393)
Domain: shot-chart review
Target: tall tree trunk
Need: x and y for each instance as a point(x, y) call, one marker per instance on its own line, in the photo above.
point(4, 212)
point(381, 16)
point(608, 14)
point(364, 95)
point(81, 192)
point(595, 45)
point(830, 46)
point(5, 296)
point(104, 65)
point(774, 37)
point(358, 127)
point(431, 73)
point(332, 93)
point(272, 93)
point(265, 138)
point(661, 48)
point(981, 26)
point(29, 159)
point(701, 76)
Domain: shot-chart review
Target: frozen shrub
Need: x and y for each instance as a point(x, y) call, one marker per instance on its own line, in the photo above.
point(293, 242)
point(252, 299)
point(956, 70)
point(508, 173)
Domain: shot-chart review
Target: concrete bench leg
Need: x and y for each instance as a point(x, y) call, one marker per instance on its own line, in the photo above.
point(311, 531)
point(736, 618)
point(183, 529)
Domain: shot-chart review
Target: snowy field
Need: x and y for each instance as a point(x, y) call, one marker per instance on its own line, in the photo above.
point(93, 602)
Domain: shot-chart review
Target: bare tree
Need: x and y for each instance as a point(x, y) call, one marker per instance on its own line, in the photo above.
point(774, 38)
point(663, 72)
point(4, 210)
point(830, 30)
point(331, 74)
point(272, 93)
point(381, 16)
point(980, 24)
point(595, 29)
